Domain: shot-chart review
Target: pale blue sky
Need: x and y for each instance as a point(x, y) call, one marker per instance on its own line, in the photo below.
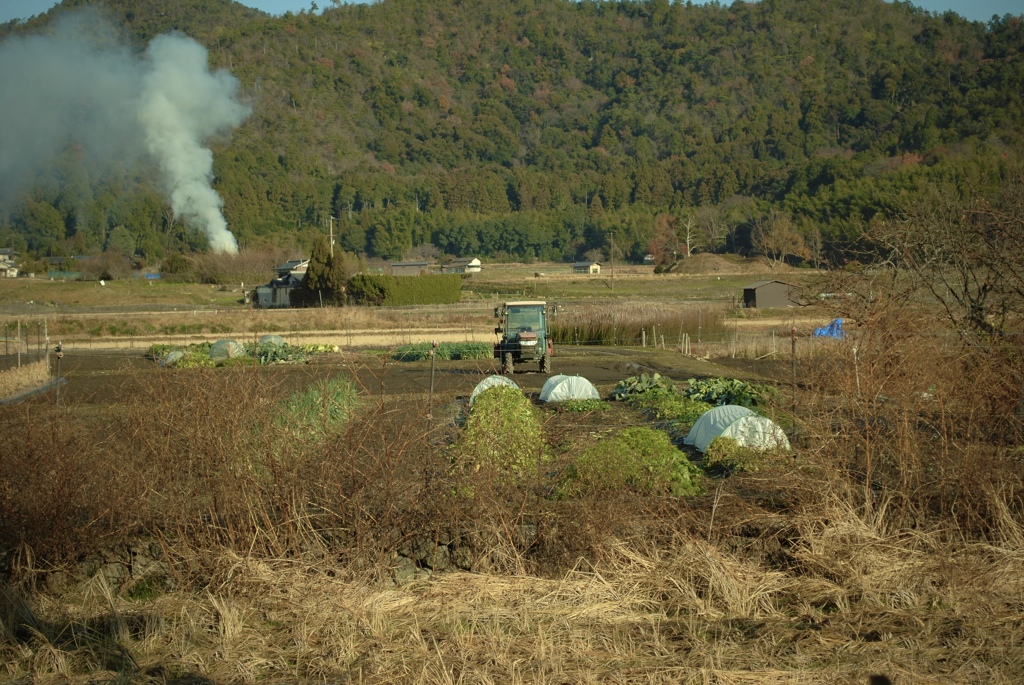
point(978, 10)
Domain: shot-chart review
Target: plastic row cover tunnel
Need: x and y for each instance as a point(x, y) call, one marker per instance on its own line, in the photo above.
point(739, 423)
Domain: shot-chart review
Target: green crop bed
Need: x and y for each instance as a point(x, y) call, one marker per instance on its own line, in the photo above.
point(445, 351)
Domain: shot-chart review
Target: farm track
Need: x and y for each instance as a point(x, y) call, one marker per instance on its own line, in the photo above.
point(357, 338)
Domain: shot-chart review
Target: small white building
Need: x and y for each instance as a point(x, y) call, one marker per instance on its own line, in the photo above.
point(8, 269)
point(586, 267)
point(462, 265)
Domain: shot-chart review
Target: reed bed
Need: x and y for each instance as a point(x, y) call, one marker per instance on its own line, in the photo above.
point(761, 345)
point(630, 324)
point(26, 377)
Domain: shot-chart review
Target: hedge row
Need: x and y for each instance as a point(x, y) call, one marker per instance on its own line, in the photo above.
point(371, 289)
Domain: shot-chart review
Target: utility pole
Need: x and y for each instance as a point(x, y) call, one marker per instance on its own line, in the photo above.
point(330, 238)
point(611, 258)
point(59, 349)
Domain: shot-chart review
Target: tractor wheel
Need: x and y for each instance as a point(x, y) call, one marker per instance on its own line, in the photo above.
point(545, 365)
point(506, 363)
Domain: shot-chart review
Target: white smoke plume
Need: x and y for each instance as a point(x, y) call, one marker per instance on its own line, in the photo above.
point(77, 85)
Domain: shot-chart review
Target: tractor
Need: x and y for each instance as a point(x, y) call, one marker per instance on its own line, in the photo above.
point(523, 327)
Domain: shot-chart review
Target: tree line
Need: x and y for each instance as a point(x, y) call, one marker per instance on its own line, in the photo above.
point(539, 129)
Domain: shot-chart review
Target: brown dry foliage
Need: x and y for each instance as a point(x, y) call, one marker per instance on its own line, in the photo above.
point(197, 458)
point(26, 377)
point(892, 543)
point(250, 266)
point(913, 411)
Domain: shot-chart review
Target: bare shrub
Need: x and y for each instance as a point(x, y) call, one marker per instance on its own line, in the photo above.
point(62, 493)
point(906, 411)
point(202, 459)
point(248, 266)
point(108, 266)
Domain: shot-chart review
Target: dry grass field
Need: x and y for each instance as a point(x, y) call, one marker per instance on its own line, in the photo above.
point(185, 526)
point(133, 314)
point(16, 380)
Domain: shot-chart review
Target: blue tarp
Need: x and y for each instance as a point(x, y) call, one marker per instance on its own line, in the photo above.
point(833, 330)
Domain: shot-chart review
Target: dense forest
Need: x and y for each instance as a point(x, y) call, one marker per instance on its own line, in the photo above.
point(536, 129)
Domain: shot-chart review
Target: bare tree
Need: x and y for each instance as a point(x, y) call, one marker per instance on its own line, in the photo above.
point(674, 239)
point(665, 247)
point(690, 236)
point(775, 237)
point(713, 226)
point(815, 246)
point(967, 251)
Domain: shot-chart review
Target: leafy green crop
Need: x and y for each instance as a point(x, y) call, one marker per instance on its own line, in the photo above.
point(640, 458)
point(669, 406)
point(638, 385)
point(502, 431)
point(198, 354)
point(194, 356)
point(315, 412)
point(416, 352)
point(581, 406)
point(719, 391)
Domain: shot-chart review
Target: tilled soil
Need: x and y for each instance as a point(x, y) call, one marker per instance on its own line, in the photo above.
point(100, 378)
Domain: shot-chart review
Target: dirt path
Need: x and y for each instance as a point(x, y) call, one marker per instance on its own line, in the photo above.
point(366, 338)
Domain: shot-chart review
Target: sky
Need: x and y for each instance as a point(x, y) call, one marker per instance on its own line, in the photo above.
point(976, 10)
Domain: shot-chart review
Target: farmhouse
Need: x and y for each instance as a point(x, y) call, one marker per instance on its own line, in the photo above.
point(770, 294)
point(280, 291)
point(462, 265)
point(293, 268)
point(409, 268)
point(586, 267)
point(8, 269)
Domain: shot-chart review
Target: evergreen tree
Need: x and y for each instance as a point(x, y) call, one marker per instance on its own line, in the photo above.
point(325, 275)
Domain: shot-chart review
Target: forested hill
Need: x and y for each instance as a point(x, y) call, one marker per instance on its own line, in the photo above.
point(532, 129)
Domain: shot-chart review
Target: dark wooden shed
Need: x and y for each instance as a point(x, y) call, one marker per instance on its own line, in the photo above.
point(409, 268)
point(770, 294)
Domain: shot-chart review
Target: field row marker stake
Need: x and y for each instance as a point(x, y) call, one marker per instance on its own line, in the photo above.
point(433, 362)
point(793, 331)
point(714, 508)
point(682, 347)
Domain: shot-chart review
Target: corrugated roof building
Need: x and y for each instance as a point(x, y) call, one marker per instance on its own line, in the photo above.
point(772, 293)
point(409, 268)
point(586, 267)
point(463, 265)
